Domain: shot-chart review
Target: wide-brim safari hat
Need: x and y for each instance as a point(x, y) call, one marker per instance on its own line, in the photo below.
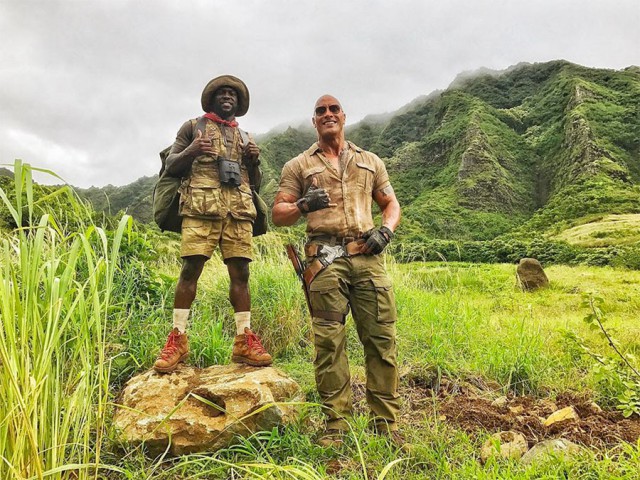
point(226, 81)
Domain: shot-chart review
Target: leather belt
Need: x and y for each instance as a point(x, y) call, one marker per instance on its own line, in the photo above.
point(350, 249)
point(324, 255)
point(332, 240)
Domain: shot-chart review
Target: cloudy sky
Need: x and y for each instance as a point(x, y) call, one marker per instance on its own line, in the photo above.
point(94, 89)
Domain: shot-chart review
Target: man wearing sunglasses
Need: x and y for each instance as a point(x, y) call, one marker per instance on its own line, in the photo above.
point(332, 185)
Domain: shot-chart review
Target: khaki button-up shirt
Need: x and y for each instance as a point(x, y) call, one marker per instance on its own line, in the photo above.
point(363, 173)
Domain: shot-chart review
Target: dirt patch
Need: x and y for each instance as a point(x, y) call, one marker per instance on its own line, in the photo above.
point(470, 406)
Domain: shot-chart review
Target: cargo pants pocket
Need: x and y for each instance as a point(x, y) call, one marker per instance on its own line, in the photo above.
point(374, 298)
point(327, 300)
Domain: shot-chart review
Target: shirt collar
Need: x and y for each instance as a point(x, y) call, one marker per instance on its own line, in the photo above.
point(315, 148)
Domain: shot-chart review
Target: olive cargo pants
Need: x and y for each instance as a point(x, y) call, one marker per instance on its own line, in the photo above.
point(359, 282)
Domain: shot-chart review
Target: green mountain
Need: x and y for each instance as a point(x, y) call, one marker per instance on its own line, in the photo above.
point(5, 172)
point(134, 198)
point(529, 152)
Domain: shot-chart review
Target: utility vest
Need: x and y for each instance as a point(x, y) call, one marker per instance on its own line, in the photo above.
point(203, 195)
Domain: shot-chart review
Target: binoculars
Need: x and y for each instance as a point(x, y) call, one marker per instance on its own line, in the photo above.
point(229, 172)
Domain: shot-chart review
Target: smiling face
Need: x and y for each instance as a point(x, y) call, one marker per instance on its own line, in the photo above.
point(225, 102)
point(328, 117)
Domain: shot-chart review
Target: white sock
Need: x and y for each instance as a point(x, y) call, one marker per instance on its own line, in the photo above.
point(180, 318)
point(243, 319)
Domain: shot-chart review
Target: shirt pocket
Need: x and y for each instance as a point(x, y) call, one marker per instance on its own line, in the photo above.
point(365, 176)
point(200, 201)
point(204, 173)
point(310, 173)
point(242, 206)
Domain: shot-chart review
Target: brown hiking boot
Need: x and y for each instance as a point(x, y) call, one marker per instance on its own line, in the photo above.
point(176, 350)
point(247, 348)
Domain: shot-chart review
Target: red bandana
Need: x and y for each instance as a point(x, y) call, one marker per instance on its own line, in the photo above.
point(217, 119)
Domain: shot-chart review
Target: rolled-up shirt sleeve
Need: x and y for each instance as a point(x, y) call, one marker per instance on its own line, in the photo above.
point(381, 177)
point(184, 137)
point(291, 180)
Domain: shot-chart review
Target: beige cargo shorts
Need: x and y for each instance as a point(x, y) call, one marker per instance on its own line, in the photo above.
point(202, 236)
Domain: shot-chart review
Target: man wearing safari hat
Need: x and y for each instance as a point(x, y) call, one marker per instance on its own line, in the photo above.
point(217, 162)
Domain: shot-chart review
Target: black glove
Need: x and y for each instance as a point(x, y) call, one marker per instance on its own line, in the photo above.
point(315, 199)
point(377, 239)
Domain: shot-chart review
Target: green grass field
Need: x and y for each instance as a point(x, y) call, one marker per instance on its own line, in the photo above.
point(604, 231)
point(75, 297)
point(458, 320)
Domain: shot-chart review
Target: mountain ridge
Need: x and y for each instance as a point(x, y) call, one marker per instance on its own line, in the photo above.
point(527, 151)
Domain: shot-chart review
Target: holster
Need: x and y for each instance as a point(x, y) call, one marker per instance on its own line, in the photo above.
point(325, 255)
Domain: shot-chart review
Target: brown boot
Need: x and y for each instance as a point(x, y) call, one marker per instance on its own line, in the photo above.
point(176, 350)
point(247, 348)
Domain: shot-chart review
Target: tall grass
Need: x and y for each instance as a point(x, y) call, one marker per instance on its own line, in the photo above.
point(70, 335)
point(54, 312)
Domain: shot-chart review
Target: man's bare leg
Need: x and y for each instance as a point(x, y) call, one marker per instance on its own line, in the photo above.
point(188, 281)
point(176, 349)
point(247, 347)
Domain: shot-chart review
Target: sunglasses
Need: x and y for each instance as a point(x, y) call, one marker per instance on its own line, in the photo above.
point(332, 108)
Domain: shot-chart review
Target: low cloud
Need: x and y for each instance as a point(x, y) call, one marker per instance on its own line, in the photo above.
point(95, 89)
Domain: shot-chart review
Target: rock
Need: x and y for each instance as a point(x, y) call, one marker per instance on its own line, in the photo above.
point(508, 444)
point(595, 407)
point(564, 414)
point(193, 425)
point(550, 448)
point(500, 402)
point(530, 275)
point(517, 410)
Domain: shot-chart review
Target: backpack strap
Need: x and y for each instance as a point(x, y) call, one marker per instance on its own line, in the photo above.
point(255, 174)
point(244, 136)
point(199, 123)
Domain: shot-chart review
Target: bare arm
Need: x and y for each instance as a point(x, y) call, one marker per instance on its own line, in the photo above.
point(378, 238)
point(285, 212)
point(390, 207)
point(185, 150)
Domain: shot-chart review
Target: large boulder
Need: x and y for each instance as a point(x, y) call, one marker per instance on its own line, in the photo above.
point(202, 410)
point(530, 274)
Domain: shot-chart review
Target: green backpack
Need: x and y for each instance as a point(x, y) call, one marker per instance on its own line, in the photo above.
point(166, 198)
